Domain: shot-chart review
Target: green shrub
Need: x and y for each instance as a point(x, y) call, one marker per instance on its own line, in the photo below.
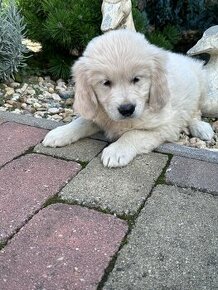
point(185, 19)
point(63, 28)
point(12, 51)
point(187, 14)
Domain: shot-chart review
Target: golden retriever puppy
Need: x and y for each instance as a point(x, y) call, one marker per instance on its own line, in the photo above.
point(138, 94)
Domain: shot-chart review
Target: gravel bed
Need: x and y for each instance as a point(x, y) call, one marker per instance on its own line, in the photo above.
point(39, 97)
point(44, 98)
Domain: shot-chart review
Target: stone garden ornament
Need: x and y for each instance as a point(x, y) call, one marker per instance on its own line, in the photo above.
point(209, 44)
point(117, 14)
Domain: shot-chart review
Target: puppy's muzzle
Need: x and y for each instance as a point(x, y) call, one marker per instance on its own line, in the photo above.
point(126, 110)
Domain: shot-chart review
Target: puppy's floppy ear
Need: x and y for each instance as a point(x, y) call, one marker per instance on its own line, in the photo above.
point(85, 102)
point(159, 92)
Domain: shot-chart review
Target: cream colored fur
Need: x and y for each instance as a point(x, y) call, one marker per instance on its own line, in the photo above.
point(122, 67)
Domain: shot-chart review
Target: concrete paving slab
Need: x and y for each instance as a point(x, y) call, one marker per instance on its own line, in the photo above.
point(29, 120)
point(186, 172)
point(172, 246)
point(15, 139)
point(26, 184)
point(119, 190)
point(83, 150)
point(185, 151)
point(62, 247)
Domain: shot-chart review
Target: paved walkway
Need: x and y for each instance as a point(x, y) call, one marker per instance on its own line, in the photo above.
point(68, 223)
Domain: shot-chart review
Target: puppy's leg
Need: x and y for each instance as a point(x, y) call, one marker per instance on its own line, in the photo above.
point(131, 143)
point(70, 133)
point(201, 129)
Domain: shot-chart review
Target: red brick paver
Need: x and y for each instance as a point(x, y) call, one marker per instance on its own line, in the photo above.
point(15, 139)
point(62, 247)
point(25, 184)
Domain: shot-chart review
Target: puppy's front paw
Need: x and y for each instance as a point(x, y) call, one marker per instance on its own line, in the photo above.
point(60, 136)
point(202, 130)
point(117, 155)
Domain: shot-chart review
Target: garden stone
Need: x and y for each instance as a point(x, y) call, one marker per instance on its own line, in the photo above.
point(117, 14)
point(9, 91)
point(215, 126)
point(209, 44)
point(14, 85)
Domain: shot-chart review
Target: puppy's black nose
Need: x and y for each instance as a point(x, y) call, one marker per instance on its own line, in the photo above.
point(126, 110)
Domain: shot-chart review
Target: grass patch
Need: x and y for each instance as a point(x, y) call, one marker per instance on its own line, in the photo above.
point(161, 179)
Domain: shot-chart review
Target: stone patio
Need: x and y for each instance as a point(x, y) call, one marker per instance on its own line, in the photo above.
point(66, 222)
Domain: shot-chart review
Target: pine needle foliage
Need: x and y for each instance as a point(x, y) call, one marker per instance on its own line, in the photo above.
point(62, 27)
point(178, 24)
point(167, 38)
point(187, 14)
point(12, 32)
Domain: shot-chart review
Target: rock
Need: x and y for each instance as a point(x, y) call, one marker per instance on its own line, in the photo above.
point(47, 95)
point(23, 99)
point(61, 83)
point(68, 119)
point(9, 91)
point(15, 97)
point(51, 90)
point(48, 79)
point(41, 97)
point(215, 126)
point(197, 143)
point(193, 140)
point(37, 105)
point(39, 114)
point(14, 85)
point(31, 101)
point(3, 109)
point(56, 97)
point(24, 87)
point(56, 117)
point(60, 89)
point(11, 102)
point(69, 102)
point(40, 79)
point(53, 110)
point(17, 111)
point(23, 106)
point(31, 91)
point(8, 106)
point(19, 91)
point(184, 140)
point(200, 144)
point(210, 143)
point(66, 94)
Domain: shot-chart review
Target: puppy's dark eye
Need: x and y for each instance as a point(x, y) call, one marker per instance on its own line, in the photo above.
point(107, 83)
point(135, 80)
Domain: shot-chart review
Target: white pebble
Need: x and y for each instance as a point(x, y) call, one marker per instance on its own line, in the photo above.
point(56, 97)
point(50, 90)
point(9, 91)
point(53, 110)
point(31, 92)
point(37, 105)
point(40, 79)
point(14, 85)
point(24, 87)
point(56, 117)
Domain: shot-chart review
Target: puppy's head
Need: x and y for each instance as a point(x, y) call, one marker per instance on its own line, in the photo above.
point(121, 73)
